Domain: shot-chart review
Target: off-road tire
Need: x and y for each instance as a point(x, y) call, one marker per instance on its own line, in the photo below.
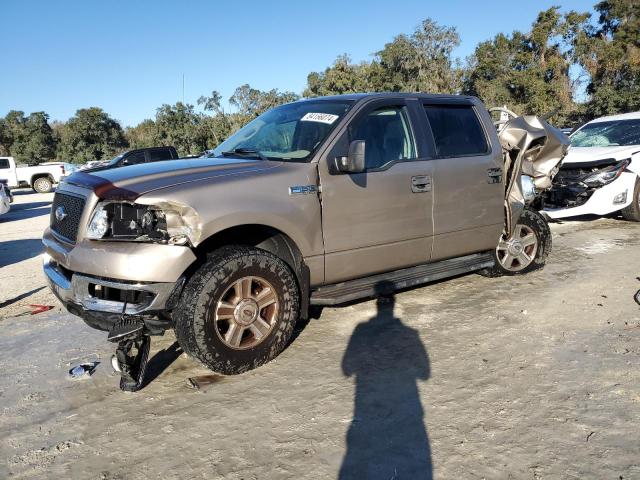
point(632, 211)
point(42, 185)
point(195, 325)
point(536, 222)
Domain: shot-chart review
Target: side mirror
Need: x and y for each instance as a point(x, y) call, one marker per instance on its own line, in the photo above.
point(354, 161)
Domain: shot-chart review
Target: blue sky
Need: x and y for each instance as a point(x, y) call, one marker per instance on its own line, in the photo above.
point(128, 57)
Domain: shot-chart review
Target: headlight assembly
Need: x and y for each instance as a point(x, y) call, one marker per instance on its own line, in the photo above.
point(528, 188)
point(140, 223)
point(606, 175)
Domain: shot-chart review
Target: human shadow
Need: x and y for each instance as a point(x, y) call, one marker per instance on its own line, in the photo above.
point(387, 438)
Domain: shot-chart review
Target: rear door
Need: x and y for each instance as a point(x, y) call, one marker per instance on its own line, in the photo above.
point(468, 196)
point(378, 220)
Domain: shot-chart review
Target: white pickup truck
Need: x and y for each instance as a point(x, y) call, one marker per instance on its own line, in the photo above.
point(40, 177)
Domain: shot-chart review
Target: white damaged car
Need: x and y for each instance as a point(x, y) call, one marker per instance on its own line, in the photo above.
point(5, 198)
point(601, 172)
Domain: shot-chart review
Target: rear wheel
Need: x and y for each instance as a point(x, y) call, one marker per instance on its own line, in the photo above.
point(526, 250)
point(632, 211)
point(238, 310)
point(42, 185)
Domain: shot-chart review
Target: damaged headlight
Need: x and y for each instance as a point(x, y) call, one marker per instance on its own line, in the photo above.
point(140, 223)
point(606, 175)
point(528, 188)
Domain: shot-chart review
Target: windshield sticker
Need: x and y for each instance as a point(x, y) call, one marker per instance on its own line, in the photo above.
point(327, 118)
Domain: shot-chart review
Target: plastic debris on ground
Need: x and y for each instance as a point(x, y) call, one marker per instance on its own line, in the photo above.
point(83, 370)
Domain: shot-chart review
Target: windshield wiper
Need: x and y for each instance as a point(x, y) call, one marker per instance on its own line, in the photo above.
point(246, 152)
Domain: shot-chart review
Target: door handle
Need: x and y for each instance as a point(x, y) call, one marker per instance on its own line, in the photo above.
point(421, 183)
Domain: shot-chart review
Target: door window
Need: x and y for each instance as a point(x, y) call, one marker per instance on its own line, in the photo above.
point(456, 130)
point(4, 163)
point(134, 158)
point(387, 135)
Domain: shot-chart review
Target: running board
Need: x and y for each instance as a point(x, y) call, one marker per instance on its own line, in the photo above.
point(407, 277)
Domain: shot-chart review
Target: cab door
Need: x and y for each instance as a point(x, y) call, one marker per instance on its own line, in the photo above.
point(378, 220)
point(467, 178)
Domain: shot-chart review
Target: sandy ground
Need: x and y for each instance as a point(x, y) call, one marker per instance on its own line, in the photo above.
point(533, 377)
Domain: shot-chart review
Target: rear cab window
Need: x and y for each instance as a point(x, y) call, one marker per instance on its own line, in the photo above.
point(457, 131)
point(4, 163)
point(160, 154)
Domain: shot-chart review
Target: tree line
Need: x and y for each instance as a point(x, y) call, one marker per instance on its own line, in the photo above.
point(565, 56)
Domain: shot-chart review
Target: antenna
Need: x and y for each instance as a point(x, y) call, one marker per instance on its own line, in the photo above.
point(183, 88)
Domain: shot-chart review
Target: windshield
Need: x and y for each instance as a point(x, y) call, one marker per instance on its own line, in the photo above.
point(289, 132)
point(608, 134)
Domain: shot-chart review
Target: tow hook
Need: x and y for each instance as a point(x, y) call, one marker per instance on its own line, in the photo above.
point(130, 334)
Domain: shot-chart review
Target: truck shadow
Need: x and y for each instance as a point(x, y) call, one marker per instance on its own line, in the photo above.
point(161, 361)
point(387, 437)
point(26, 210)
point(14, 251)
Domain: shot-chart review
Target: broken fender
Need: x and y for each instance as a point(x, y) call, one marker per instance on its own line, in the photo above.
point(533, 148)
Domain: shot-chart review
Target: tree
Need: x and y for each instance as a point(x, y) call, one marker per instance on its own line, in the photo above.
point(179, 125)
point(610, 54)
point(529, 72)
point(341, 77)
point(422, 61)
point(91, 135)
point(29, 139)
point(143, 135)
point(419, 62)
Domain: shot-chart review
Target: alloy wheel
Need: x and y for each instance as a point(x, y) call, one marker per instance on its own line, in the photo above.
point(517, 253)
point(246, 313)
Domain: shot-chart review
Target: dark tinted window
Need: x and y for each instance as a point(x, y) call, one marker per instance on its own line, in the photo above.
point(387, 136)
point(4, 163)
point(134, 158)
point(160, 154)
point(456, 130)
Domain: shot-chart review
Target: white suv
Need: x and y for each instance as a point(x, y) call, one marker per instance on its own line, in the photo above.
point(601, 172)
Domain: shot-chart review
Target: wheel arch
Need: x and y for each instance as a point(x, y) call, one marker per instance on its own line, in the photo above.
point(36, 176)
point(266, 238)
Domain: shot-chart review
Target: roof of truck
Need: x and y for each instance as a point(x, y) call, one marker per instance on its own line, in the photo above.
point(359, 96)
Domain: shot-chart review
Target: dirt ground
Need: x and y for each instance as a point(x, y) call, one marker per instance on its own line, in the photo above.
point(533, 377)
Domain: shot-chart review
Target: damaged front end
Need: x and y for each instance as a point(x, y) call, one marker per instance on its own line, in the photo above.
point(533, 151)
point(576, 183)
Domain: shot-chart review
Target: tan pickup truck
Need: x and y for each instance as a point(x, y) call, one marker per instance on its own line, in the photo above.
point(317, 202)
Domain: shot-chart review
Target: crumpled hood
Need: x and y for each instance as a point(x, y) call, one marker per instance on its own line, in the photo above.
point(592, 154)
point(129, 183)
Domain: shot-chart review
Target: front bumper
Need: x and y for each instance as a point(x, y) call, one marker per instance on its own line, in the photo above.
point(101, 301)
point(602, 200)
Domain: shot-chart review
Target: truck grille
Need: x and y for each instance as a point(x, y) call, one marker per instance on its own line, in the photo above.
point(69, 208)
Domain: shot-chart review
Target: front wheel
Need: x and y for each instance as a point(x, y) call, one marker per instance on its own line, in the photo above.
point(238, 310)
point(43, 185)
point(632, 211)
point(526, 250)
